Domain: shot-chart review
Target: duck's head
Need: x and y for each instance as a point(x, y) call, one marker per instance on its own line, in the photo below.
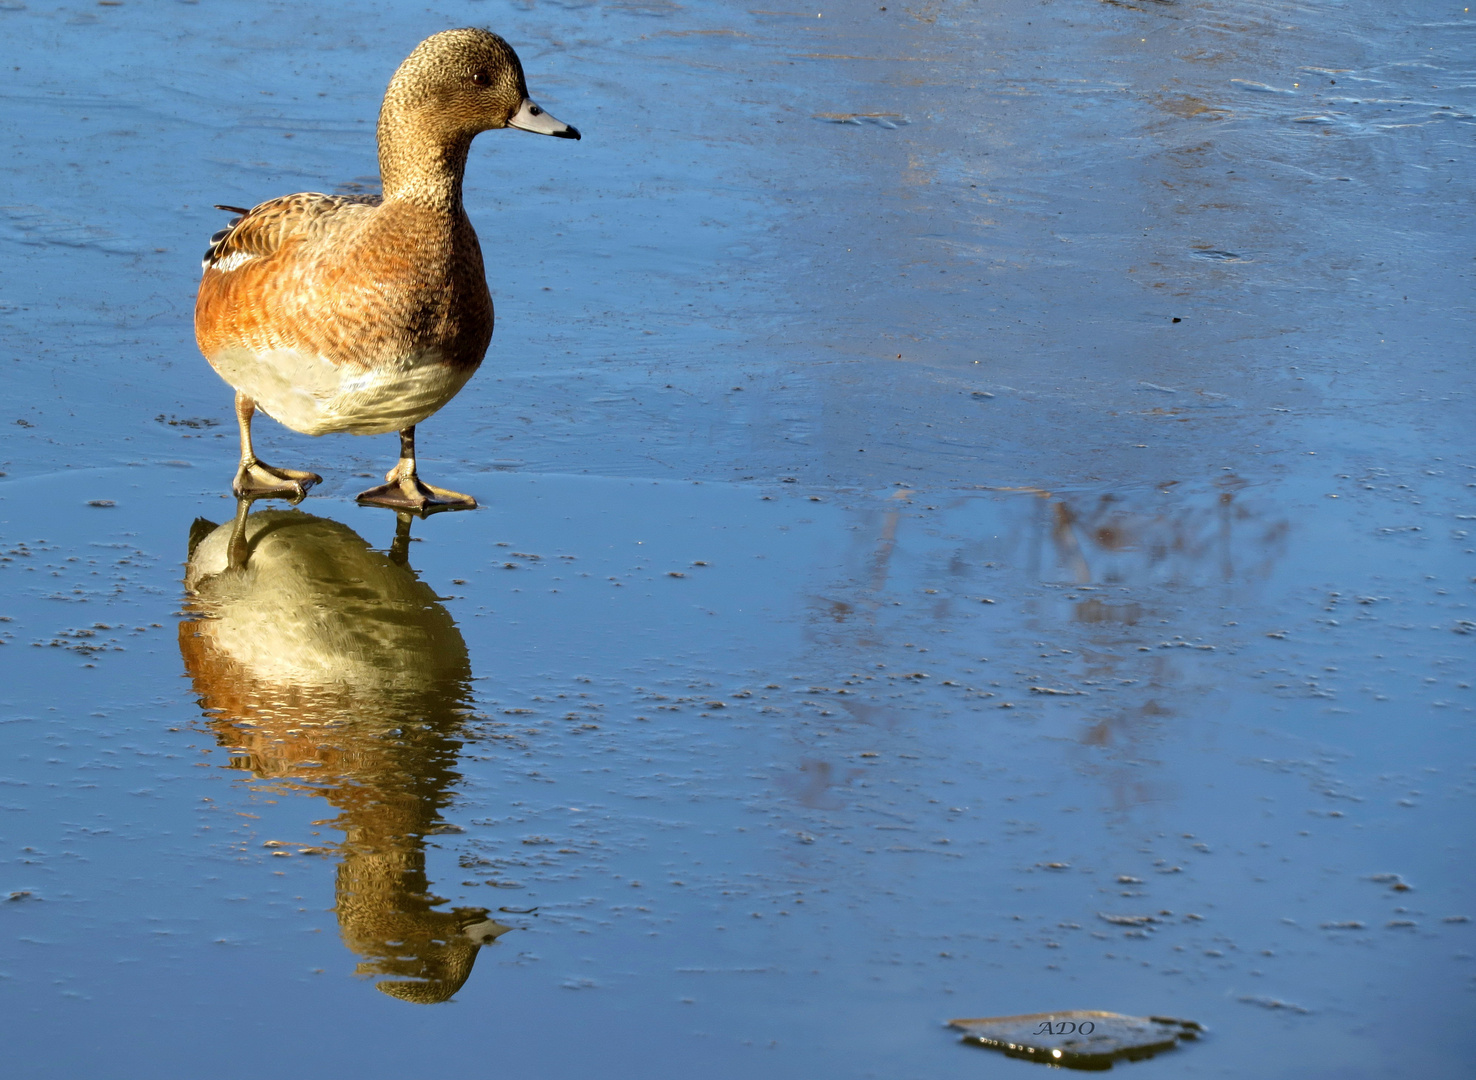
point(461, 82)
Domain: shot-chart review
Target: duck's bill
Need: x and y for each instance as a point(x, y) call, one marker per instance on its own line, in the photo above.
point(531, 117)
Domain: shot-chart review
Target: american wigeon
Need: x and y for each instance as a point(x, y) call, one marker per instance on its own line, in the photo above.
point(365, 314)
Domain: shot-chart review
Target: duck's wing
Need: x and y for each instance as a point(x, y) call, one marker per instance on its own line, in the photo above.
point(264, 230)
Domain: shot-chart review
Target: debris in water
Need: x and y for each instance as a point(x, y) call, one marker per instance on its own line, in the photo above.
point(1127, 920)
point(1261, 87)
point(1274, 1003)
point(1079, 1039)
point(885, 120)
point(1394, 881)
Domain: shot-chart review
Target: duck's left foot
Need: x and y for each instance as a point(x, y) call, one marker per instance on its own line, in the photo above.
point(256, 480)
point(414, 494)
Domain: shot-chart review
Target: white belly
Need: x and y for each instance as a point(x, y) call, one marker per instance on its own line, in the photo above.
point(311, 395)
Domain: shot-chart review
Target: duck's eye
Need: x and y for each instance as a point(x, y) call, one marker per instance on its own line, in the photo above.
point(481, 78)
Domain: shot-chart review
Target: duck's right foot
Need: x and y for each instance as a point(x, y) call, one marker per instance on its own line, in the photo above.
point(415, 495)
point(257, 480)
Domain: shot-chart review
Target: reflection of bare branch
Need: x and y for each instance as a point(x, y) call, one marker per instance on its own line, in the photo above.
point(330, 669)
point(1137, 540)
point(1067, 547)
point(886, 543)
point(1096, 610)
point(841, 611)
point(1134, 543)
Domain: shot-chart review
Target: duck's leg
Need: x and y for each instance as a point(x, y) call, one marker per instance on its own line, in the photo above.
point(255, 479)
point(403, 490)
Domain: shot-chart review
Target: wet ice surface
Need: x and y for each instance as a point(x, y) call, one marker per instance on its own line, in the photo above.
point(1217, 763)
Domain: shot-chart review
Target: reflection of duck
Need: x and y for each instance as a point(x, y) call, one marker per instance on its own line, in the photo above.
point(331, 669)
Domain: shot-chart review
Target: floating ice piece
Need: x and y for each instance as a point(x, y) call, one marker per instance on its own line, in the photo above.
point(1274, 1003)
point(1262, 88)
point(1394, 881)
point(886, 120)
point(1079, 1039)
point(1127, 920)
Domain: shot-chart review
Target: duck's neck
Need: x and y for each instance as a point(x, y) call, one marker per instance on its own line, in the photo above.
point(420, 166)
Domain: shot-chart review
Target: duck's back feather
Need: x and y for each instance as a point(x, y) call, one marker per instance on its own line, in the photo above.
point(262, 230)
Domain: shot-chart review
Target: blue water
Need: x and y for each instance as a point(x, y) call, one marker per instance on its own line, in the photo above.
point(1058, 419)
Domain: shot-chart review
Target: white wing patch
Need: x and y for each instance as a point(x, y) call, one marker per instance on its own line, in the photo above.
point(232, 261)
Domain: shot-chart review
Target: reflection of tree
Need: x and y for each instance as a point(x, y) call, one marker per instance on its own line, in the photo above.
point(1090, 573)
point(330, 669)
point(1132, 539)
point(1148, 536)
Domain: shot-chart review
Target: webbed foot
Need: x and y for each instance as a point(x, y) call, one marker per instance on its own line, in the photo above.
point(258, 480)
point(414, 494)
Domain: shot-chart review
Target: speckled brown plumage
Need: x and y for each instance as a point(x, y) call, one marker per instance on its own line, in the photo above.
point(367, 314)
point(357, 280)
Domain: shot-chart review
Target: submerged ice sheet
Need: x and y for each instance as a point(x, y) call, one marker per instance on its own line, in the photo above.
point(1014, 558)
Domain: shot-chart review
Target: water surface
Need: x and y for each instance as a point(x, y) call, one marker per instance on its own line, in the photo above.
point(976, 521)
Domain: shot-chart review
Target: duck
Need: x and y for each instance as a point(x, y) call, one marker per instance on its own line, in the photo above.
point(365, 314)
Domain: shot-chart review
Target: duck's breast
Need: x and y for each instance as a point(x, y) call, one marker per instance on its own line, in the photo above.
point(308, 392)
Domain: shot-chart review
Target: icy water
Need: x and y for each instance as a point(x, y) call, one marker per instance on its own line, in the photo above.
point(977, 510)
